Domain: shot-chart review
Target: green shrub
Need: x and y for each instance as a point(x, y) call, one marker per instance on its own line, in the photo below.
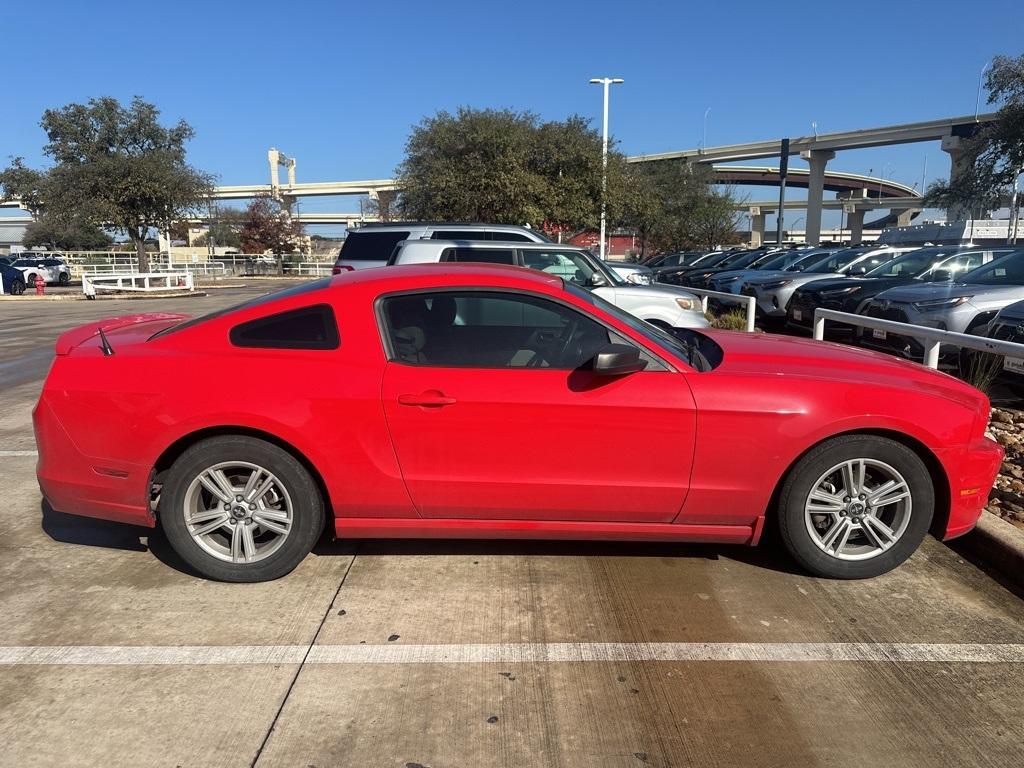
point(729, 321)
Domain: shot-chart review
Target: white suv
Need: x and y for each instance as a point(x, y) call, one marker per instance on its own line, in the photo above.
point(663, 305)
point(47, 268)
point(371, 244)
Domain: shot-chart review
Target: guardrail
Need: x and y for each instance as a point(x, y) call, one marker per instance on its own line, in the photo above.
point(932, 338)
point(205, 267)
point(731, 298)
point(138, 282)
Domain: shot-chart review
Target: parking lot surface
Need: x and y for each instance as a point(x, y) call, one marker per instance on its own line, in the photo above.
point(433, 653)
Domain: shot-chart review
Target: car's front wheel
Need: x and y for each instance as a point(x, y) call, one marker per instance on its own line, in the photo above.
point(237, 508)
point(64, 278)
point(17, 287)
point(856, 506)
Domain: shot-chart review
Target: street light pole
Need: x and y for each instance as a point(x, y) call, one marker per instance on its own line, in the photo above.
point(606, 82)
point(981, 79)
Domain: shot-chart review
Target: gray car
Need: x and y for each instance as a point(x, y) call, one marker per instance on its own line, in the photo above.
point(961, 307)
point(663, 305)
point(370, 245)
point(774, 290)
point(732, 280)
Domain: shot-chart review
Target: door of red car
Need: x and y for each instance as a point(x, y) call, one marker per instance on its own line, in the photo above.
point(493, 417)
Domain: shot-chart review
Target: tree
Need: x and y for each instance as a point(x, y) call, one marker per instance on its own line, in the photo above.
point(996, 150)
point(672, 205)
point(116, 166)
point(502, 166)
point(224, 230)
point(18, 182)
point(267, 227)
point(73, 236)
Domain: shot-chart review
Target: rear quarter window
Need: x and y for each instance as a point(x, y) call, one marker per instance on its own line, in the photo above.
point(370, 246)
point(304, 328)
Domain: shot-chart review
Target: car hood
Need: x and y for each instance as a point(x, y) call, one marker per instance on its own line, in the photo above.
point(649, 291)
point(911, 293)
point(874, 283)
point(799, 277)
point(772, 355)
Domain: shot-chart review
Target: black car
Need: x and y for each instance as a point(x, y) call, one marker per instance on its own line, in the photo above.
point(850, 294)
point(701, 276)
point(680, 259)
point(13, 280)
point(1007, 325)
point(716, 259)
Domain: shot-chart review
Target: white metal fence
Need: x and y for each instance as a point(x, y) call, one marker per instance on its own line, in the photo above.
point(931, 338)
point(240, 264)
point(728, 298)
point(138, 282)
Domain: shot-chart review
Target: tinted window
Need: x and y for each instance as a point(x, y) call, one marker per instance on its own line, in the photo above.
point(306, 328)
point(1009, 270)
point(479, 255)
point(370, 246)
point(478, 329)
point(572, 266)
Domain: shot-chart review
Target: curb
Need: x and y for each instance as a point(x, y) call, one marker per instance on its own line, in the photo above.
point(998, 544)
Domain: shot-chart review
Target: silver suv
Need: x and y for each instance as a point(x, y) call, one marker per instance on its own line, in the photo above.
point(371, 244)
point(663, 305)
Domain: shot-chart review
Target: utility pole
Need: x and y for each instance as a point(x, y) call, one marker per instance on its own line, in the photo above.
point(606, 82)
point(783, 170)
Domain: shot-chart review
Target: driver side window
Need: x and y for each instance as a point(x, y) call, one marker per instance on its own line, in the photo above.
point(478, 329)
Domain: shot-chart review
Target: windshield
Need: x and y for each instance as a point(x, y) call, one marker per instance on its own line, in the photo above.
point(577, 267)
point(835, 262)
point(695, 348)
point(912, 264)
point(1009, 270)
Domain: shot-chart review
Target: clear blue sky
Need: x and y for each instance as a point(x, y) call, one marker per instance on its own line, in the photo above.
point(338, 84)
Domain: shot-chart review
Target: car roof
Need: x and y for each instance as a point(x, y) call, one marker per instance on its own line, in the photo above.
point(484, 244)
point(434, 224)
point(465, 274)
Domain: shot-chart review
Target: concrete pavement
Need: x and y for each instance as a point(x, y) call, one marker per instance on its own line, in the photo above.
point(482, 653)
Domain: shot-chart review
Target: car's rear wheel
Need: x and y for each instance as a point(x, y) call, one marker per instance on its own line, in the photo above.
point(856, 506)
point(17, 287)
point(236, 508)
point(64, 278)
point(32, 280)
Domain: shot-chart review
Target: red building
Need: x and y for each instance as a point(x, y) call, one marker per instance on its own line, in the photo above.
point(618, 245)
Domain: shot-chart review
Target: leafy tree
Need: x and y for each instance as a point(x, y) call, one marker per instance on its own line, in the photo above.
point(996, 149)
point(502, 166)
point(66, 236)
point(115, 166)
point(267, 227)
point(24, 184)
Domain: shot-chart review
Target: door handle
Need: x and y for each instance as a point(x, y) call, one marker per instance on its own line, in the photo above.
point(430, 399)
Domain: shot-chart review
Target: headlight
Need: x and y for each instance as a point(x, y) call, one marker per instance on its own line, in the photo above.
point(690, 305)
point(841, 291)
point(639, 278)
point(776, 284)
point(934, 304)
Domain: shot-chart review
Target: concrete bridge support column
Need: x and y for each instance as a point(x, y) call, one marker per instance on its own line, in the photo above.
point(905, 217)
point(855, 221)
point(959, 165)
point(817, 159)
point(757, 217)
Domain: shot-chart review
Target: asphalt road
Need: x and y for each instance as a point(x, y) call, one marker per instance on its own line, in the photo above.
point(442, 654)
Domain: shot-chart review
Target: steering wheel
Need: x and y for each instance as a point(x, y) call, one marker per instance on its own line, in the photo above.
point(569, 333)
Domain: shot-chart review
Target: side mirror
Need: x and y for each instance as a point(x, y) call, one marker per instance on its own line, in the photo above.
point(942, 276)
point(597, 280)
point(859, 270)
point(617, 360)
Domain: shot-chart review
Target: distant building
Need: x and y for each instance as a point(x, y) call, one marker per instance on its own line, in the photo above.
point(11, 234)
point(619, 244)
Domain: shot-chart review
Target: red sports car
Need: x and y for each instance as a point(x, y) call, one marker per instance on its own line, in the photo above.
point(482, 401)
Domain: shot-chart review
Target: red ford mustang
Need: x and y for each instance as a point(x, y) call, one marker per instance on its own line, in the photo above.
point(483, 402)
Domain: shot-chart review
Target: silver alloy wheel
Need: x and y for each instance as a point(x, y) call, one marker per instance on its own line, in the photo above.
point(858, 509)
point(238, 512)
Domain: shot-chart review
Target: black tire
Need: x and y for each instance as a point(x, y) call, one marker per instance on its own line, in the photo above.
point(64, 278)
point(31, 279)
point(820, 459)
point(308, 507)
point(17, 287)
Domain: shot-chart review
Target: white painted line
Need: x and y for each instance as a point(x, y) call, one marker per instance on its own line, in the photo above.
point(18, 453)
point(512, 653)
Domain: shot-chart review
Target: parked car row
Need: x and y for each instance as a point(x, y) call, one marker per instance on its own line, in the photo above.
point(627, 286)
point(32, 266)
